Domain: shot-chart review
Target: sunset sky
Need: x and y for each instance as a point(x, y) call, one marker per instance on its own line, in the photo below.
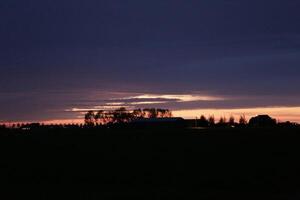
point(59, 58)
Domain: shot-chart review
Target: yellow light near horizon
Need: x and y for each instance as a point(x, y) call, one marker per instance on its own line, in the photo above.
point(280, 113)
point(64, 121)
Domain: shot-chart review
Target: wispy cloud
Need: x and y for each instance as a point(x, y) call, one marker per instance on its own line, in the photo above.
point(176, 97)
point(96, 108)
point(147, 102)
point(192, 105)
point(133, 101)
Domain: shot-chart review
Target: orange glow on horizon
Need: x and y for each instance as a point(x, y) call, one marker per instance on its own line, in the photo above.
point(47, 122)
point(280, 113)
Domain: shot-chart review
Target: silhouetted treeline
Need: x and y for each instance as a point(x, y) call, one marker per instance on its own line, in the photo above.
point(151, 118)
point(122, 115)
point(222, 122)
point(30, 126)
point(258, 121)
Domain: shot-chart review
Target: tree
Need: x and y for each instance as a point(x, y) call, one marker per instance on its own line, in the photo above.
point(163, 113)
point(231, 121)
point(211, 120)
point(89, 118)
point(203, 122)
point(153, 113)
point(222, 121)
point(150, 112)
point(121, 115)
point(243, 120)
point(160, 112)
point(138, 113)
point(168, 113)
point(100, 117)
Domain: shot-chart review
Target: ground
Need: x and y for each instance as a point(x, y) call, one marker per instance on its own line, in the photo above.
point(152, 163)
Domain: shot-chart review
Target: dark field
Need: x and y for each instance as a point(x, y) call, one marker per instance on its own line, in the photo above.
point(151, 164)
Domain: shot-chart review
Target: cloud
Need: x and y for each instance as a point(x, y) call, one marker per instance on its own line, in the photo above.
point(148, 102)
point(144, 100)
point(175, 97)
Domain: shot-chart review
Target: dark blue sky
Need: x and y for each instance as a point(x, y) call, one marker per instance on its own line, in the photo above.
point(59, 54)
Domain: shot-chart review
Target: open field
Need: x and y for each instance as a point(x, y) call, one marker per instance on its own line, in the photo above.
point(152, 164)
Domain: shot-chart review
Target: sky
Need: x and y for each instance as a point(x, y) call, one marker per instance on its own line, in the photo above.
point(59, 58)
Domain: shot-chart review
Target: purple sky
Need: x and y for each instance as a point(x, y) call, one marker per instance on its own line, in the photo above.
point(56, 55)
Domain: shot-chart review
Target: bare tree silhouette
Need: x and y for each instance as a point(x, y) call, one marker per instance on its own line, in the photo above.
point(138, 113)
point(163, 113)
point(150, 112)
point(100, 117)
point(168, 113)
point(89, 118)
point(243, 120)
point(121, 115)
